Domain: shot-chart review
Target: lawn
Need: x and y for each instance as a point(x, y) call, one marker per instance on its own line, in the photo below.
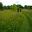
point(11, 21)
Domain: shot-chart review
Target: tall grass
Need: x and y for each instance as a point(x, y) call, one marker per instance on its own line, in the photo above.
point(14, 22)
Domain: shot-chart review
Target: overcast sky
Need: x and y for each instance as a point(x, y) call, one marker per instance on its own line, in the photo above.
point(22, 2)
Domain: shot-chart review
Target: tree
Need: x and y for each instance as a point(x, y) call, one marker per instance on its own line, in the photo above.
point(19, 6)
point(30, 7)
point(8, 7)
point(5, 7)
point(25, 6)
point(1, 6)
point(13, 7)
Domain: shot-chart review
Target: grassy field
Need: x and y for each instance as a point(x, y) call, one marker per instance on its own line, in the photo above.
point(11, 21)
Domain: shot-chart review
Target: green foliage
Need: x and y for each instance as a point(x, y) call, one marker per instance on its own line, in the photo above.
point(30, 7)
point(1, 6)
point(13, 7)
point(19, 6)
point(25, 6)
point(5, 7)
point(8, 7)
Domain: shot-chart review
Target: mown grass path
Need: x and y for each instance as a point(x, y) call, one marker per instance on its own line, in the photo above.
point(29, 21)
point(27, 24)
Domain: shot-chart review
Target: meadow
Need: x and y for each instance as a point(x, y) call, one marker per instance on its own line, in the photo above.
point(12, 21)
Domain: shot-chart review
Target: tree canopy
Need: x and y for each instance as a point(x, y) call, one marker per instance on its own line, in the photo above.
point(14, 6)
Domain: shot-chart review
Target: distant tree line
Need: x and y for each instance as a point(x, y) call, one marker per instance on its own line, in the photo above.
point(14, 7)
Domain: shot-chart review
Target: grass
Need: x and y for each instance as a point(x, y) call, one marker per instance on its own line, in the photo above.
point(11, 21)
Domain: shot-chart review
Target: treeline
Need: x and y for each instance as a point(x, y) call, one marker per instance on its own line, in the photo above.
point(14, 7)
